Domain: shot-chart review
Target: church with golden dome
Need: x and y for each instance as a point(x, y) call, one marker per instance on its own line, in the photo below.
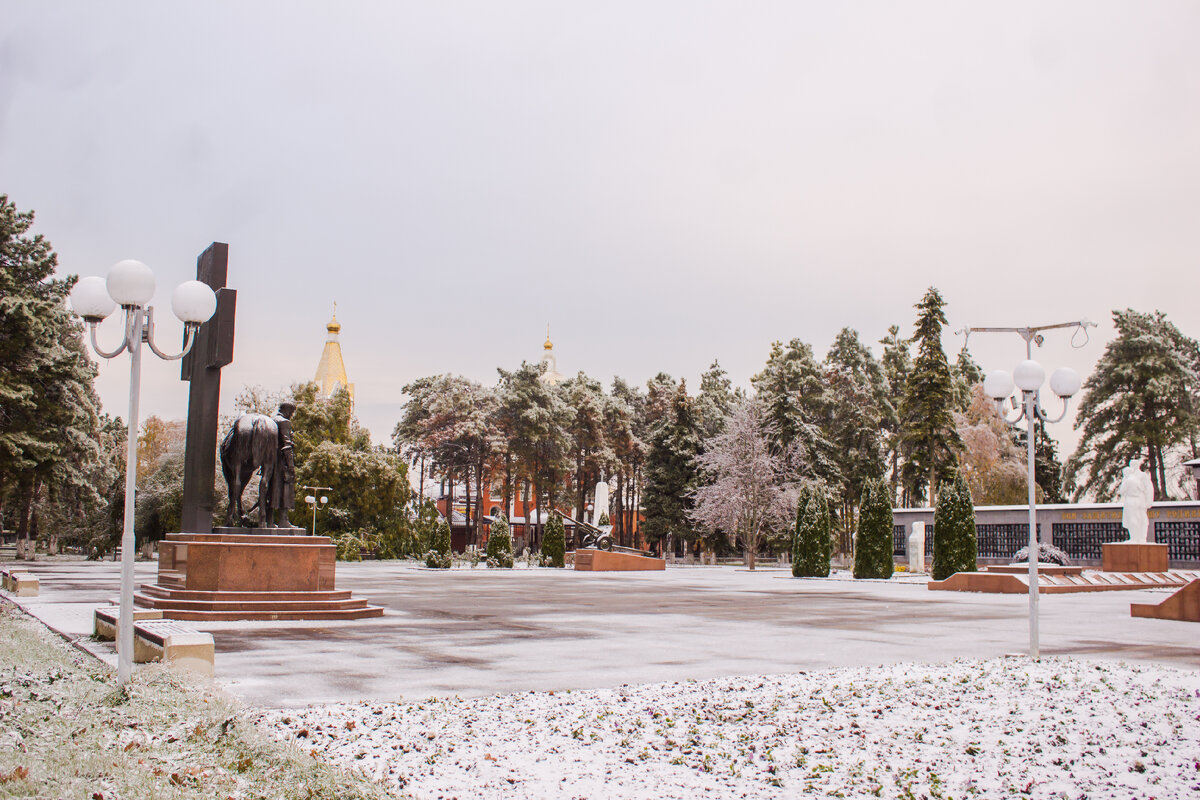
point(550, 375)
point(331, 371)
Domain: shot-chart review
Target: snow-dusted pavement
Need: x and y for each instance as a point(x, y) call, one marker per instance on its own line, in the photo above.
point(1003, 727)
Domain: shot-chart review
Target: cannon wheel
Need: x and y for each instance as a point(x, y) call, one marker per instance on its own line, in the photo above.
point(605, 543)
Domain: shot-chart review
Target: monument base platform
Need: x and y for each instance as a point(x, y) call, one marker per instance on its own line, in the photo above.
point(604, 561)
point(1133, 557)
point(214, 576)
point(1183, 606)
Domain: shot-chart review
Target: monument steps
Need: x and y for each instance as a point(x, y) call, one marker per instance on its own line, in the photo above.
point(219, 606)
point(1183, 605)
point(1018, 583)
point(155, 590)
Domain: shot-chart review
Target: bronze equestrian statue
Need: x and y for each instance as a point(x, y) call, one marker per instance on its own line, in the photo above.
point(256, 441)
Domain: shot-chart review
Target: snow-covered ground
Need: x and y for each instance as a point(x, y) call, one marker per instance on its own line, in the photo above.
point(999, 728)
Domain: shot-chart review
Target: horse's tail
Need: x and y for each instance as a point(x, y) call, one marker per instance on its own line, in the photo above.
point(226, 448)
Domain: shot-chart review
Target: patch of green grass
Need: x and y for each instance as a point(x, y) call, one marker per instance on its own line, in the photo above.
point(68, 732)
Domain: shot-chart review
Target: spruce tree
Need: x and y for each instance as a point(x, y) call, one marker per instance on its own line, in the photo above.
point(499, 546)
point(954, 545)
point(554, 545)
point(927, 432)
point(814, 543)
point(799, 408)
point(873, 544)
point(672, 472)
point(438, 556)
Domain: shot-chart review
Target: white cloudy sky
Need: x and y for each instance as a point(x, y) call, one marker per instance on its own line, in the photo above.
point(665, 183)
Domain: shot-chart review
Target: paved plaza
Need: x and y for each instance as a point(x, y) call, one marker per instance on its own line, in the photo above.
point(476, 632)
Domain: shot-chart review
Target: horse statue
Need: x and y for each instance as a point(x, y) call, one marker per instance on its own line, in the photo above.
point(251, 443)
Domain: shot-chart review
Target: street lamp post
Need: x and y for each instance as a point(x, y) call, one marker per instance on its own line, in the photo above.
point(130, 284)
point(315, 502)
point(1029, 377)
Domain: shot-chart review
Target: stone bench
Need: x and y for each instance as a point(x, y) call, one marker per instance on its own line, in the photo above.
point(20, 583)
point(158, 639)
point(106, 618)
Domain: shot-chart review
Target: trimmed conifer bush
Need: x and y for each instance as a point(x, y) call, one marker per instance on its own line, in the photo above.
point(603, 520)
point(814, 540)
point(873, 542)
point(954, 546)
point(439, 555)
point(554, 542)
point(499, 546)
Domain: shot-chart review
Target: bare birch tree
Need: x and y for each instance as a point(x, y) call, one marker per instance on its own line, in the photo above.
point(746, 493)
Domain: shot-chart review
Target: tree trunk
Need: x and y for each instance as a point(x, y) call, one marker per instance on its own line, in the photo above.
point(421, 486)
point(479, 501)
point(23, 520)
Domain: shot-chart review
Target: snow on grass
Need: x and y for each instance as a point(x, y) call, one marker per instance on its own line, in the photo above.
point(997, 728)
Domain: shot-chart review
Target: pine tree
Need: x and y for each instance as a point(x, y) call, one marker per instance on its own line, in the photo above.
point(814, 542)
point(798, 405)
point(858, 390)
point(954, 543)
point(717, 397)
point(927, 432)
point(1139, 402)
point(897, 364)
point(672, 472)
point(438, 556)
point(873, 545)
point(966, 374)
point(499, 546)
point(554, 545)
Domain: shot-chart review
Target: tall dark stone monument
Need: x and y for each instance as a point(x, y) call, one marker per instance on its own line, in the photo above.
point(212, 350)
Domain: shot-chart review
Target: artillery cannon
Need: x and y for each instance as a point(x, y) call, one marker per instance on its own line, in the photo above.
point(593, 537)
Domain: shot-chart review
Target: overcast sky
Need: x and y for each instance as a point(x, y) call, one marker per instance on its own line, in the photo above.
point(663, 183)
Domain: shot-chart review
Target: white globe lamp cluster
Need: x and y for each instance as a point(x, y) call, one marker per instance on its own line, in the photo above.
point(130, 284)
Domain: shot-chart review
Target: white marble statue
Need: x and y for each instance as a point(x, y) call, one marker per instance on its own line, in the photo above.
point(1137, 495)
point(916, 548)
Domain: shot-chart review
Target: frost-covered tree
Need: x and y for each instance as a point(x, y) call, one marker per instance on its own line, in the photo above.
point(967, 374)
point(897, 364)
point(438, 556)
point(589, 451)
point(798, 406)
point(716, 399)
point(1139, 402)
point(954, 543)
point(672, 472)
point(927, 433)
point(813, 550)
point(873, 545)
point(554, 545)
point(858, 391)
point(745, 492)
point(990, 461)
point(499, 546)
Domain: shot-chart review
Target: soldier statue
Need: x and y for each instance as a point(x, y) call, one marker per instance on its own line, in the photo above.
point(283, 482)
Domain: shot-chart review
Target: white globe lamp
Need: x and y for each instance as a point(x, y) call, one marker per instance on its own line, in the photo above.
point(130, 283)
point(1029, 376)
point(90, 299)
point(998, 384)
point(1065, 382)
point(193, 302)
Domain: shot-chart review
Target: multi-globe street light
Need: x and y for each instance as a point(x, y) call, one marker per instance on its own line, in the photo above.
point(1028, 376)
point(130, 284)
point(315, 502)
